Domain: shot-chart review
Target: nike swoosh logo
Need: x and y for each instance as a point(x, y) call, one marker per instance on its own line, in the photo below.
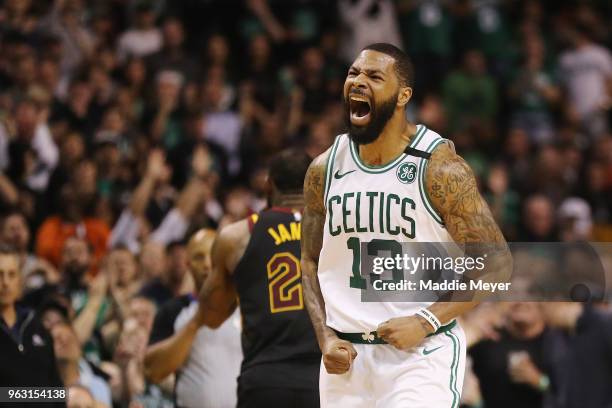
point(427, 352)
point(338, 176)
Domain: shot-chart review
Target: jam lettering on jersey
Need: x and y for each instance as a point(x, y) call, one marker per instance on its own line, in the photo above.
point(281, 234)
point(347, 213)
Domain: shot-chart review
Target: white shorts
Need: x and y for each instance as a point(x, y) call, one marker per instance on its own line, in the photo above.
point(428, 376)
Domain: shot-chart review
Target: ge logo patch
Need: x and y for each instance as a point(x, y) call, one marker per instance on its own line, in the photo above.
point(406, 172)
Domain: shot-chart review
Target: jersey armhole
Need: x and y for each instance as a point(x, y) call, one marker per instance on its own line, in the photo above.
point(422, 172)
point(329, 169)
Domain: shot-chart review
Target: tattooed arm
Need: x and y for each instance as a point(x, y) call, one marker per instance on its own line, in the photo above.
point(218, 297)
point(452, 188)
point(337, 354)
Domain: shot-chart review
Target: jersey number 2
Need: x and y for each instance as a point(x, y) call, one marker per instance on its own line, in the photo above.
point(284, 283)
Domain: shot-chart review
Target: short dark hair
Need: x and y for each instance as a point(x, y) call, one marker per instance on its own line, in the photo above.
point(58, 303)
point(288, 169)
point(403, 64)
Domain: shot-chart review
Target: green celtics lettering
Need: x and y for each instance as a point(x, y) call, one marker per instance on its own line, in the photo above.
point(346, 213)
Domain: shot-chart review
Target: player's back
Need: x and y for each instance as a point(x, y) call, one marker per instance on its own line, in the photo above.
point(278, 341)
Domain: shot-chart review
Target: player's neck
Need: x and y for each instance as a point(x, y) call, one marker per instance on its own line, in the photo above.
point(293, 201)
point(396, 135)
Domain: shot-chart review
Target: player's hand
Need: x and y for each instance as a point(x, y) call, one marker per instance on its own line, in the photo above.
point(338, 356)
point(404, 333)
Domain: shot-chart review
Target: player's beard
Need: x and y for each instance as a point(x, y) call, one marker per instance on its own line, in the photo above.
point(379, 116)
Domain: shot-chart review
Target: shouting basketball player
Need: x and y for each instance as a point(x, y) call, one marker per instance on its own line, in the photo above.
point(387, 181)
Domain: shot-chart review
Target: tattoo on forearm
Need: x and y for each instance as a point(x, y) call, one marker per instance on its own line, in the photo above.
point(312, 241)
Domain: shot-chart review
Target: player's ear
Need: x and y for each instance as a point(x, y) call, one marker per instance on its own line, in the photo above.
point(404, 95)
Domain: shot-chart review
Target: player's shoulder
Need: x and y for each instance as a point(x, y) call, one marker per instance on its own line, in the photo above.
point(447, 171)
point(446, 164)
point(233, 233)
point(314, 182)
point(231, 242)
point(318, 166)
point(320, 162)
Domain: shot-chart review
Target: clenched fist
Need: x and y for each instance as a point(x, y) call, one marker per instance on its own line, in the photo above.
point(338, 356)
point(404, 333)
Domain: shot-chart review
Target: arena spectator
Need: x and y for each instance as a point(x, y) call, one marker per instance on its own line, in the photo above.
point(586, 71)
point(32, 151)
point(74, 368)
point(513, 368)
point(86, 294)
point(174, 280)
point(221, 124)
point(470, 94)
point(64, 21)
point(426, 31)
point(173, 56)
point(129, 356)
point(163, 118)
point(124, 277)
point(534, 93)
point(539, 224)
point(144, 38)
point(367, 22)
point(132, 230)
point(27, 348)
point(583, 376)
point(56, 229)
point(15, 233)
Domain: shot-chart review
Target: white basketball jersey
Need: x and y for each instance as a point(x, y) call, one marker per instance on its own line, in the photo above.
point(388, 204)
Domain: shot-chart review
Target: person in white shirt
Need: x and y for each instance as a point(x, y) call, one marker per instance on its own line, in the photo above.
point(586, 72)
point(206, 361)
point(144, 38)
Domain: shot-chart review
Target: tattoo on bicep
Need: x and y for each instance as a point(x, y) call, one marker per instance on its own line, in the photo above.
point(313, 188)
point(314, 213)
point(452, 187)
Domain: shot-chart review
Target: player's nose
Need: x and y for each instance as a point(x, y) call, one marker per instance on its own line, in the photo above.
point(359, 82)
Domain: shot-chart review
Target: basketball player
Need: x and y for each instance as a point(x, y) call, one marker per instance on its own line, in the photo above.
point(257, 260)
point(387, 180)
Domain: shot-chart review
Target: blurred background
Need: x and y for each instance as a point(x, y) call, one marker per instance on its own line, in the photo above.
point(126, 125)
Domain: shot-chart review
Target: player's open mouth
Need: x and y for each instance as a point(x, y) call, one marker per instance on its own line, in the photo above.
point(360, 110)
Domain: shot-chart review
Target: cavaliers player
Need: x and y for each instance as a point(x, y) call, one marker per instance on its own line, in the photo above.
point(386, 182)
point(256, 262)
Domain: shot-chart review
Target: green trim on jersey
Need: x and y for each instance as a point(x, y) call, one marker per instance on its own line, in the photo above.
point(381, 169)
point(329, 169)
point(453, 368)
point(418, 136)
point(422, 170)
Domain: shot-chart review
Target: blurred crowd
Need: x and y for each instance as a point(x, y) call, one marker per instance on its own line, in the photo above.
point(127, 125)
